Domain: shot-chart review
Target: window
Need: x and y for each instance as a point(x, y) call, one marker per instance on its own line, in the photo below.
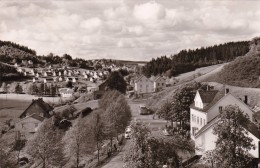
point(220, 109)
point(200, 121)
point(36, 125)
point(204, 121)
point(22, 125)
point(192, 117)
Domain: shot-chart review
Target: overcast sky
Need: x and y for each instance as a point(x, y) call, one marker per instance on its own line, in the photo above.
point(126, 29)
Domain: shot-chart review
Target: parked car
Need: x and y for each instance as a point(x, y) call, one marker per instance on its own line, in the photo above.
point(143, 110)
point(127, 132)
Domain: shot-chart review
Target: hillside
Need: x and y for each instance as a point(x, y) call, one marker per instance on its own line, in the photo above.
point(189, 60)
point(12, 52)
point(243, 71)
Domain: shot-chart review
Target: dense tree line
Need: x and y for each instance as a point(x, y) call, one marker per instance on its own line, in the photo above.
point(189, 60)
point(20, 47)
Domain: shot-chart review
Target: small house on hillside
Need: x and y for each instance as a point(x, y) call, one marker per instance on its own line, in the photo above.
point(38, 107)
point(159, 83)
point(32, 117)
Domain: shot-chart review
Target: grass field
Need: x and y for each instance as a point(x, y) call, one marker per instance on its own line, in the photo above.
point(11, 109)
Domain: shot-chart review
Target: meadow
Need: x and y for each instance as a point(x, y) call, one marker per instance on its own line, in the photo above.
point(11, 108)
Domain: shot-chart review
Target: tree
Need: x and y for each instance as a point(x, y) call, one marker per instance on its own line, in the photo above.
point(98, 129)
point(18, 88)
point(117, 116)
point(46, 146)
point(79, 139)
point(116, 81)
point(145, 151)
point(18, 146)
point(5, 89)
point(69, 84)
point(178, 108)
point(233, 142)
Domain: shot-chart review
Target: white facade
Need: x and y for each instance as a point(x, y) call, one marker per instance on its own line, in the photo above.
point(211, 113)
point(144, 85)
point(206, 141)
point(203, 120)
point(159, 83)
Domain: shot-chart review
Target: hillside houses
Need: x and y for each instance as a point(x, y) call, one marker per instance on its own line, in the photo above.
point(204, 114)
point(32, 117)
point(145, 85)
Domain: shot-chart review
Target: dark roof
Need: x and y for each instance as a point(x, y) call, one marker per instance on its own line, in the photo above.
point(207, 96)
point(210, 97)
point(45, 106)
point(250, 127)
point(35, 116)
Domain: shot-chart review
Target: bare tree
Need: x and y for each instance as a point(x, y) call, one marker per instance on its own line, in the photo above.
point(46, 146)
point(79, 139)
point(98, 129)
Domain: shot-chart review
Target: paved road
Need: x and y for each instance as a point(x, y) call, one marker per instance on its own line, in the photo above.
point(117, 161)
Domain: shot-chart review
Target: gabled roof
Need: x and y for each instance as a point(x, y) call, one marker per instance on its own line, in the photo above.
point(45, 106)
point(141, 78)
point(250, 127)
point(207, 96)
point(35, 116)
point(211, 98)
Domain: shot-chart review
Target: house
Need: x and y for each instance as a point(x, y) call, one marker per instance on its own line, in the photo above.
point(159, 83)
point(32, 117)
point(144, 85)
point(38, 107)
point(204, 114)
point(66, 92)
point(28, 126)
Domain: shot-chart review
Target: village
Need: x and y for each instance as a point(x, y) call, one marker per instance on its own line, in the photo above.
point(129, 84)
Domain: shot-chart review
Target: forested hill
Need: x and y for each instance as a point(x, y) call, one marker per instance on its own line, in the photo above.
point(20, 47)
point(12, 52)
point(243, 71)
point(189, 60)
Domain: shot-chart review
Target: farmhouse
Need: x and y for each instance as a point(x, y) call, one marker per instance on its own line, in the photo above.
point(148, 85)
point(143, 85)
point(32, 117)
point(204, 114)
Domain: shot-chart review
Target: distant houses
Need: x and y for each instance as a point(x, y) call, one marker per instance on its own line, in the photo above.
point(32, 117)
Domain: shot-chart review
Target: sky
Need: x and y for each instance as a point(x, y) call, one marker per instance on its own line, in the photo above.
point(126, 29)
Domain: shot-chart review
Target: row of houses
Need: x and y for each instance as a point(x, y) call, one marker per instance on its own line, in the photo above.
point(205, 114)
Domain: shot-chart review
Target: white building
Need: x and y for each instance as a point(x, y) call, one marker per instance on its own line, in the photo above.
point(66, 92)
point(204, 114)
point(159, 83)
point(143, 85)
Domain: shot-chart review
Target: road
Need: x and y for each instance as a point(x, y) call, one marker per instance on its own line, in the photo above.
point(154, 124)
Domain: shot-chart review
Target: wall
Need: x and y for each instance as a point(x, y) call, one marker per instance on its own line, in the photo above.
point(202, 116)
point(144, 85)
point(225, 101)
point(29, 126)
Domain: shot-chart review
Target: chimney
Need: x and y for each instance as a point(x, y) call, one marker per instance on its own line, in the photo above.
point(226, 91)
point(246, 99)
